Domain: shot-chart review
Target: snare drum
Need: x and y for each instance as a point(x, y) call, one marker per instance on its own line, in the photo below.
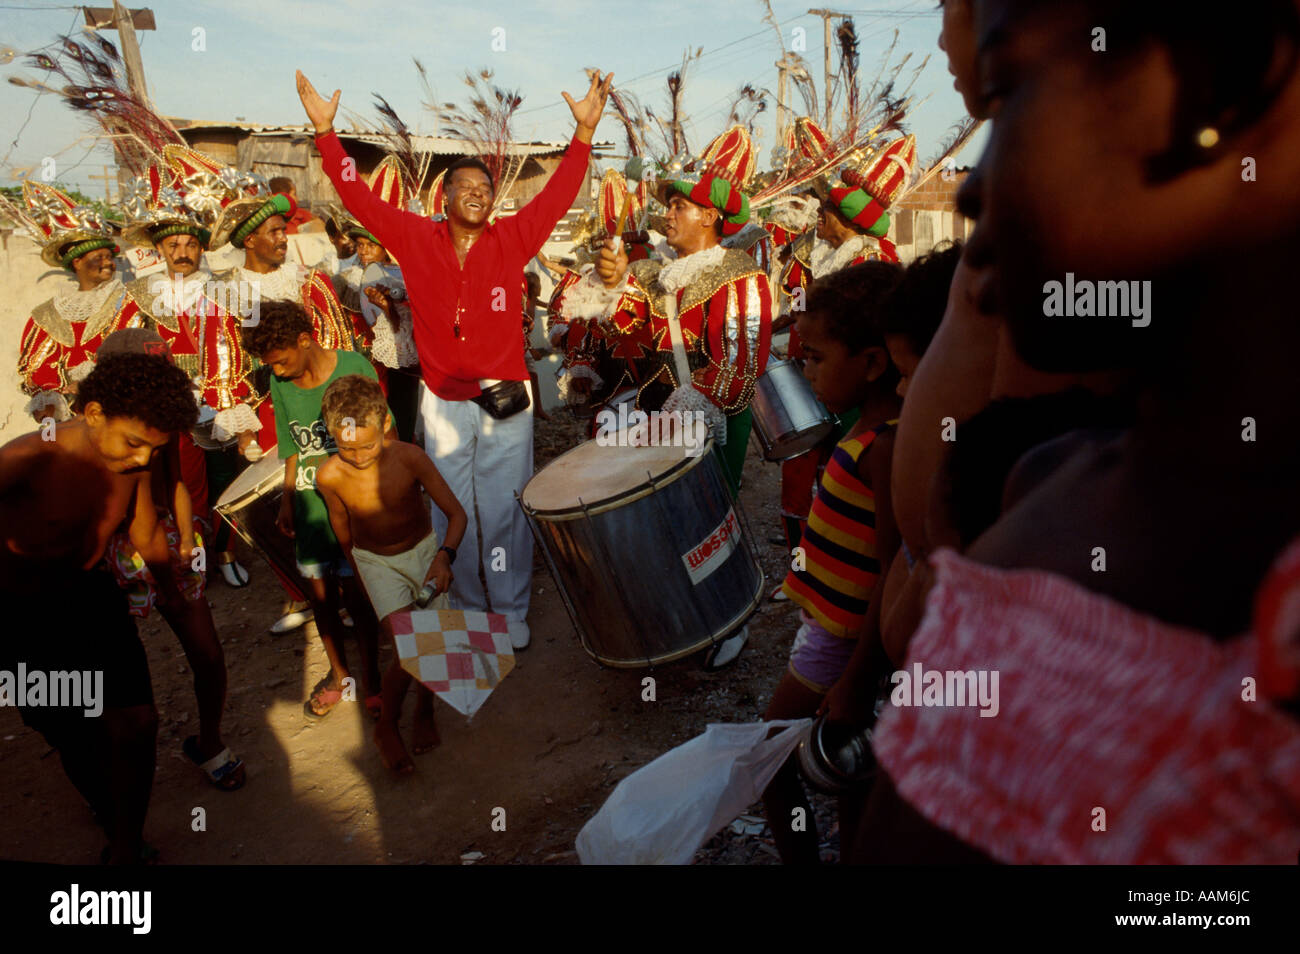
point(788, 418)
point(251, 504)
point(647, 550)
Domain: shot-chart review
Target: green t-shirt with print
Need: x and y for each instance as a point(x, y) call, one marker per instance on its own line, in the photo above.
point(300, 429)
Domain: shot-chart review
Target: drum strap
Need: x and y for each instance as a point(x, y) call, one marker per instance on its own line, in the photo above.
point(675, 335)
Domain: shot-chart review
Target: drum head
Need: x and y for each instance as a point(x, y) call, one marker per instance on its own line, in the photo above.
point(254, 480)
point(599, 474)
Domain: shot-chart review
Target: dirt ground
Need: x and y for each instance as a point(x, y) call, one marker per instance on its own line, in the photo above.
point(547, 747)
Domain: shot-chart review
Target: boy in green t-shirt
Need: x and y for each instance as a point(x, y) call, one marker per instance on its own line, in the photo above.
point(301, 371)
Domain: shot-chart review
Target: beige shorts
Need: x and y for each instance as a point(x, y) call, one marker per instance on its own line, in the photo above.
point(393, 582)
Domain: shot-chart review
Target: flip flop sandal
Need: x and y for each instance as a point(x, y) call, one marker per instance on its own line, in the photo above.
point(223, 770)
point(322, 701)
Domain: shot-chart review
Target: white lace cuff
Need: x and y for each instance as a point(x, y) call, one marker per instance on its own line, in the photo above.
point(234, 420)
point(589, 298)
point(56, 405)
point(555, 333)
point(689, 399)
point(81, 372)
point(565, 377)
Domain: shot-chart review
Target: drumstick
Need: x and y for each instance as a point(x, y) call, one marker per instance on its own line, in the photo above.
point(622, 215)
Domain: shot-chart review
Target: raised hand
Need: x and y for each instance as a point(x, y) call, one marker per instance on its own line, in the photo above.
point(611, 266)
point(319, 110)
point(588, 111)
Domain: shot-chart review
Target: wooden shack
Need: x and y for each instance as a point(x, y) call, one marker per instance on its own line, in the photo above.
point(291, 152)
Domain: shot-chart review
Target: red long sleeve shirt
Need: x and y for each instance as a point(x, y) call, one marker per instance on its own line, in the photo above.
point(486, 292)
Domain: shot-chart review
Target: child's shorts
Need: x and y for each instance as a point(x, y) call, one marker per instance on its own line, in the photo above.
point(394, 581)
point(819, 658)
point(136, 579)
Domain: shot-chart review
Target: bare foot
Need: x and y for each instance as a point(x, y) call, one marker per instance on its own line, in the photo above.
point(424, 732)
point(391, 749)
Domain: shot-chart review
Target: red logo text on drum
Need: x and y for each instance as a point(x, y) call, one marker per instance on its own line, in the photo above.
point(714, 550)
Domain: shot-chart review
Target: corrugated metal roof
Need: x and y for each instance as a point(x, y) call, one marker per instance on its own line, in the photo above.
point(437, 145)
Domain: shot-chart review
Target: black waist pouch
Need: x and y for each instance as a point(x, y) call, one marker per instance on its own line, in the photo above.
point(504, 399)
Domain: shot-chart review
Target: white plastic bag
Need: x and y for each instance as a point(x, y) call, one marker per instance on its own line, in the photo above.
point(664, 811)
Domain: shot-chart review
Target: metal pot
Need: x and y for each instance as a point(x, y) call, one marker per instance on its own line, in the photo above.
point(837, 759)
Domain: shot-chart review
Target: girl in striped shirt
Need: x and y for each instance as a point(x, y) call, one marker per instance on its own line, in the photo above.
point(835, 573)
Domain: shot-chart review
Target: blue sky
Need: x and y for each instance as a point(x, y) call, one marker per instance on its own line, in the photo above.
point(253, 47)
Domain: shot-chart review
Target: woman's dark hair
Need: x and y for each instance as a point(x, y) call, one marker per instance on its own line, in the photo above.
point(849, 302)
point(471, 162)
point(915, 307)
point(279, 323)
point(146, 387)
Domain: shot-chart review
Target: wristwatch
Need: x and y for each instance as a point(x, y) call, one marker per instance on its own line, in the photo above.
point(451, 553)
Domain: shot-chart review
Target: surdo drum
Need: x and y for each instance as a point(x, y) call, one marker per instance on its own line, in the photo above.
point(647, 549)
point(251, 504)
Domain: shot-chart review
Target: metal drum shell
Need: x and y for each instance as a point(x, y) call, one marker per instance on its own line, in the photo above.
point(619, 563)
point(251, 508)
point(821, 750)
point(788, 418)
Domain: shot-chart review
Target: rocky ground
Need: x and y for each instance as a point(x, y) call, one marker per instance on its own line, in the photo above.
point(547, 748)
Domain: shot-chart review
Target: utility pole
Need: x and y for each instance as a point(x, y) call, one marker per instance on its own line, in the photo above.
point(826, 16)
point(108, 186)
point(784, 65)
point(125, 22)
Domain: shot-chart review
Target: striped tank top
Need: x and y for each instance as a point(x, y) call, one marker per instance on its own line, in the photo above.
point(839, 566)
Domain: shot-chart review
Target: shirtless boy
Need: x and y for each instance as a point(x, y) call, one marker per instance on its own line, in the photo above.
point(64, 490)
point(372, 489)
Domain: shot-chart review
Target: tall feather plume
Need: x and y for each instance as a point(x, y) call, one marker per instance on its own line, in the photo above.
point(803, 83)
point(97, 86)
point(630, 114)
point(673, 129)
point(847, 36)
point(959, 134)
point(747, 105)
point(486, 124)
point(675, 81)
point(401, 146)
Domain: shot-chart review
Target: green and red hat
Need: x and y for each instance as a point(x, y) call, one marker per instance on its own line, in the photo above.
point(864, 194)
point(717, 178)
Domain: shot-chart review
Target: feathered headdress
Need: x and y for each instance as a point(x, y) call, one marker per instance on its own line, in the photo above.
point(96, 86)
point(67, 230)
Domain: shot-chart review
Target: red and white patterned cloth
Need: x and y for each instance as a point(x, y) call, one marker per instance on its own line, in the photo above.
point(1100, 707)
point(460, 655)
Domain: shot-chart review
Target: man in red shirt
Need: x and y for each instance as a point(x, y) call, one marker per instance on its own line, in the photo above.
point(463, 282)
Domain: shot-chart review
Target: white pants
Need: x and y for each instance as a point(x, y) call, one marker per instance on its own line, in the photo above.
point(485, 462)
